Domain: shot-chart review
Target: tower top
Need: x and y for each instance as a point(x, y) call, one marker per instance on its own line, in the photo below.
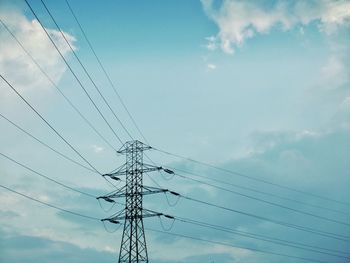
point(131, 146)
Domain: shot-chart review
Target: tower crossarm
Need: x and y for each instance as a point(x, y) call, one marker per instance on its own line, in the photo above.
point(118, 193)
point(122, 216)
point(144, 169)
point(146, 190)
point(114, 174)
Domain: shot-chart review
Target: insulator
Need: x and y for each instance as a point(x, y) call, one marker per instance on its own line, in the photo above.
point(114, 177)
point(168, 171)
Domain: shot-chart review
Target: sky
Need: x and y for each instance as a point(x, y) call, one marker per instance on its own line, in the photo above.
point(261, 88)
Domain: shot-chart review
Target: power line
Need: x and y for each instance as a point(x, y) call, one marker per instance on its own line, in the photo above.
point(112, 85)
point(105, 72)
point(119, 139)
point(285, 224)
point(277, 222)
point(46, 177)
point(55, 85)
point(85, 70)
point(257, 191)
point(71, 70)
point(265, 201)
point(150, 177)
point(65, 97)
point(253, 178)
point(266, 239)
point(235, 246)
point(178, 218)
point(110, 82)
point(49, 205)
point(153, 230)
point(49, 125)
point(46, 145)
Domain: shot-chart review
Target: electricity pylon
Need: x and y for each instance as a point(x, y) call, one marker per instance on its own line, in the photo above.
point(133, 246)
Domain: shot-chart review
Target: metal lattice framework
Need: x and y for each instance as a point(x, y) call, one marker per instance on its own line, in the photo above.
point(133, 246)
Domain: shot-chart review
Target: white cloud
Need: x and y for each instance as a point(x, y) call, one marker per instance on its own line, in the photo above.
point(334, 73)
point(240, 20)
point(97, 149)
point(44, 198)
point(212, 43)
point(346, 103)
point(341, 118)
point(17, 66)
point(211, 66)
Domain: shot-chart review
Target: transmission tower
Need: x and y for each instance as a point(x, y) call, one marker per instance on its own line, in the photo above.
point(133, 246)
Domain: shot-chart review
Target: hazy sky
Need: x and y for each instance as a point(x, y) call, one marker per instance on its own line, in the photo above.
point(258, 87)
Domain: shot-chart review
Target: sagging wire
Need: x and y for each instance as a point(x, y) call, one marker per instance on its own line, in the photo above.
point(108, 210)
point(117, 154)
point(171, 225)
point(111, 231)
point(168, 171)
point(167, 178)
point(168, 201)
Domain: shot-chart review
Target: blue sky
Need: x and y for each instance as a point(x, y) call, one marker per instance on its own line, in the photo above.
point(258, 87)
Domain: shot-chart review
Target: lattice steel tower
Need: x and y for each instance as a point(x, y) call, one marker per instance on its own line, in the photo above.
point(133, 246)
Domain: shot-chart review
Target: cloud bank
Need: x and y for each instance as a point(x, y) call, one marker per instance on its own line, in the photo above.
point(239, 20)
point(15, 64)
